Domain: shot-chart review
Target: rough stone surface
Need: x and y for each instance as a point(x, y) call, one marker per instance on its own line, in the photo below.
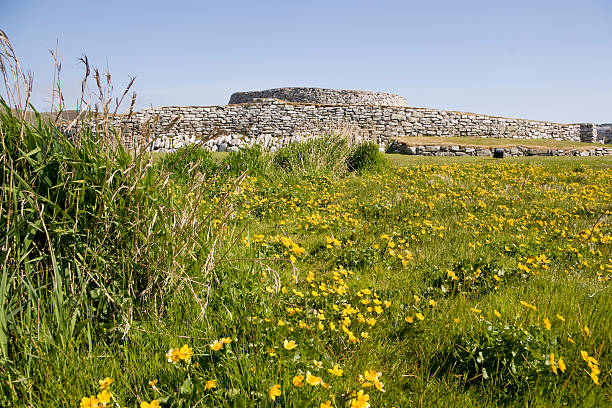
point(516, 151)
point(604, 132)
point(273, 123)
point(321, 96)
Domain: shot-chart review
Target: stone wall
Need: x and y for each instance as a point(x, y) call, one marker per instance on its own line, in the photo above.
point(588, 133)
point(604, 132)
point(515, 151)
point(273, 123)
point(321, 96)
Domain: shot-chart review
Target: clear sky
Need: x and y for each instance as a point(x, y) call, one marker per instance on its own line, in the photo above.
point(536, 59)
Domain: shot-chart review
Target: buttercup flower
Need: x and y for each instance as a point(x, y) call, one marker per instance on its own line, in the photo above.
point(336, 370)
point(275, 391)
point(216, 345)
point(105, 383)
point(313, 379)
point(298, 381)
point(289, 345)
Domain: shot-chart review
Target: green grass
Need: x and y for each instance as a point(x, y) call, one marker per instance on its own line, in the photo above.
point(403, 160)
point(496, 142)
point(114, 259)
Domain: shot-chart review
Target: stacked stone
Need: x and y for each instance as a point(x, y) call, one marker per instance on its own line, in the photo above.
point(321, 96)
point(515, 151)
point(588, 133)
point(604, 132)
point(272, 122)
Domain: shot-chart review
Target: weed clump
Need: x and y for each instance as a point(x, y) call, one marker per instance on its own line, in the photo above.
point(328, 155)
point(318, 156)
point(250, 159)
point(367, 157)
point(187, 161)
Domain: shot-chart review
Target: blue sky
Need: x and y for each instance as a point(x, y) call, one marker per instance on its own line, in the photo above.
point(537, 59)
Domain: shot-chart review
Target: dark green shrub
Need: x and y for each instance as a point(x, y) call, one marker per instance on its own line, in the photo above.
point(367, 156)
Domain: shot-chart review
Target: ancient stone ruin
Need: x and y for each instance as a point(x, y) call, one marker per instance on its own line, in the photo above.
point(275, 117)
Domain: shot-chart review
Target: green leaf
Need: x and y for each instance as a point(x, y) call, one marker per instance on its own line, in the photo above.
point(187, 386)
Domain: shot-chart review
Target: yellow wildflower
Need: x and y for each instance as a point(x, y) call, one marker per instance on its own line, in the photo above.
point(173, 356)
point(585, 355)
point(104, 384)
point(289, 345)
point(104, 397)
point(528, 305)
point(326, 404)
point(336, 370)
point(298, 381)
point(547, 323)
point(360, 400)
point(185, 352)
point(152, 404)
point(313, 379)
point(275, 391)
point(89, 402)
point(371, 375)
point(216, 345)
point(561, 365)
point(210, 384)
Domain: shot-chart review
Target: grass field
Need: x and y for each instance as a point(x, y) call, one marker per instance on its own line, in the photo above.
point(497, 142)
point(322, 275)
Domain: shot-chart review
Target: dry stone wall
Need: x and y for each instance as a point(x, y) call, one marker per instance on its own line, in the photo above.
point(275, 117)
point(604, 132)
point(515, 151)
point(273, 123)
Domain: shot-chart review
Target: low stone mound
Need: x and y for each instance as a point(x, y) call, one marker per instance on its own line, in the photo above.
point(321, 96)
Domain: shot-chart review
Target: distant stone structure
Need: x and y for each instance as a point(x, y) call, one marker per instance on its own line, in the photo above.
point(604, 132)
point(275, 117)
point(321, 96)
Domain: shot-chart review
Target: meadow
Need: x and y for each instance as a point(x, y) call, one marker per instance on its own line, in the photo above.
point(309, 277)
point(326, 274)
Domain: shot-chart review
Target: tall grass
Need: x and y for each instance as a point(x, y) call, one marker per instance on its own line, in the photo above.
point(334, 154)
point(87, 234)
